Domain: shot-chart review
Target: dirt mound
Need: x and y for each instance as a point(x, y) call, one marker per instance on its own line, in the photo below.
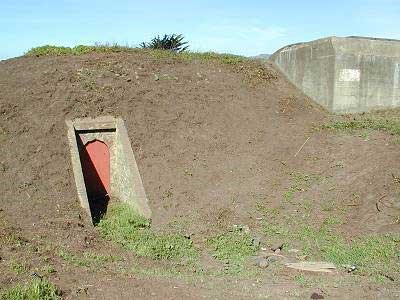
point(213, 142)
point(202, 132)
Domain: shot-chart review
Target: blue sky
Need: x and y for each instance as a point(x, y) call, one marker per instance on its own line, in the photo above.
point(232, 26)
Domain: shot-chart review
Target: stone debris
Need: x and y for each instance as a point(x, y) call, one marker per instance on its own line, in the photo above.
point(241, 227)
point(260, 262)
point(277, 246)
point(293, 250)
point(316, 296)
point(350, 268)
point(265, 259)
point(256, 241)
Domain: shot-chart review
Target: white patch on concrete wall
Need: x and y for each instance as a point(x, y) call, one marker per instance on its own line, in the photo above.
point(396, 85)
point(349, 75)
point(396, 76)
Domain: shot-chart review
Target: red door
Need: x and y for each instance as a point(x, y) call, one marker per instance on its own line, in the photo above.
point(96, 169)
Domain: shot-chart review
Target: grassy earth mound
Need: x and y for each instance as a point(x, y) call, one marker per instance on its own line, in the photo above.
point(229, 152)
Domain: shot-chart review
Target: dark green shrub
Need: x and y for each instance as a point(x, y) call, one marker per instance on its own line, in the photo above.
point(172, 42)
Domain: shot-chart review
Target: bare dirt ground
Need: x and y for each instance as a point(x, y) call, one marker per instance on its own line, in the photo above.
point(213, 142)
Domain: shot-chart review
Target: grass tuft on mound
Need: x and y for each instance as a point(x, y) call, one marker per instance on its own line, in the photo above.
point(124, 226)
point(37, 289)
point(390, 126)
point(234, 248)
point(50, 50)
point(372, 255)
point(88, 259)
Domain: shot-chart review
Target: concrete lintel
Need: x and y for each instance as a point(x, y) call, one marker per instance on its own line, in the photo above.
point(106, 122)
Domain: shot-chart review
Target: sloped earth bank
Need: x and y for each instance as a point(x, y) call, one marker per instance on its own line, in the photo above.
point(214, 144)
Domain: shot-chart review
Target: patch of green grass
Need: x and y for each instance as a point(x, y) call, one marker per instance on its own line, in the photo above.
point(46, 269)
point(180, 224)
point(85, 76)
point(303, 181)
point(304, 281)
point(371, 255)
point(35, 290)
point(328, 205)
point(267, 211)
point(14, 240)
point(100, 258)
point(240, 63)
point(379, 278)
point(73, 259)
point(307, 206)
point(315, 242)
point(162, 246)
point(300, 182)
point(124, 226)
point(18, 267)
point(229, 59)
point(391, 126)
point(289, 195)
point(276, 233)
point(365, 136)
point(169, 272)
point(50, 50)
point(234, 248)
point(237, 271)
point(174, 271)
point(87, 259)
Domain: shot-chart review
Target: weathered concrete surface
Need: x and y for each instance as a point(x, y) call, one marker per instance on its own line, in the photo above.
point(128, 185)
point(345, 75)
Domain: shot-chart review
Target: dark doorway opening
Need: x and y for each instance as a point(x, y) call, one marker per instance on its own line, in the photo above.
point(95, 162)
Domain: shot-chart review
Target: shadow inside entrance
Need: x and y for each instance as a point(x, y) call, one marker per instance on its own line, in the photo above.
point(98, 196)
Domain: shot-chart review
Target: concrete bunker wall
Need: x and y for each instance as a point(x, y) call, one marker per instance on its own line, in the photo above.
point(309, 67)
point(366, 74)
point(125, 181)
point(345, 75)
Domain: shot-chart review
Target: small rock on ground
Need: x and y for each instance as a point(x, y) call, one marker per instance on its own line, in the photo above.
point(316, 296)
point(260, 262)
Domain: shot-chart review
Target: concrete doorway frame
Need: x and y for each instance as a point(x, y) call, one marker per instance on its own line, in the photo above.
point(126, 182)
